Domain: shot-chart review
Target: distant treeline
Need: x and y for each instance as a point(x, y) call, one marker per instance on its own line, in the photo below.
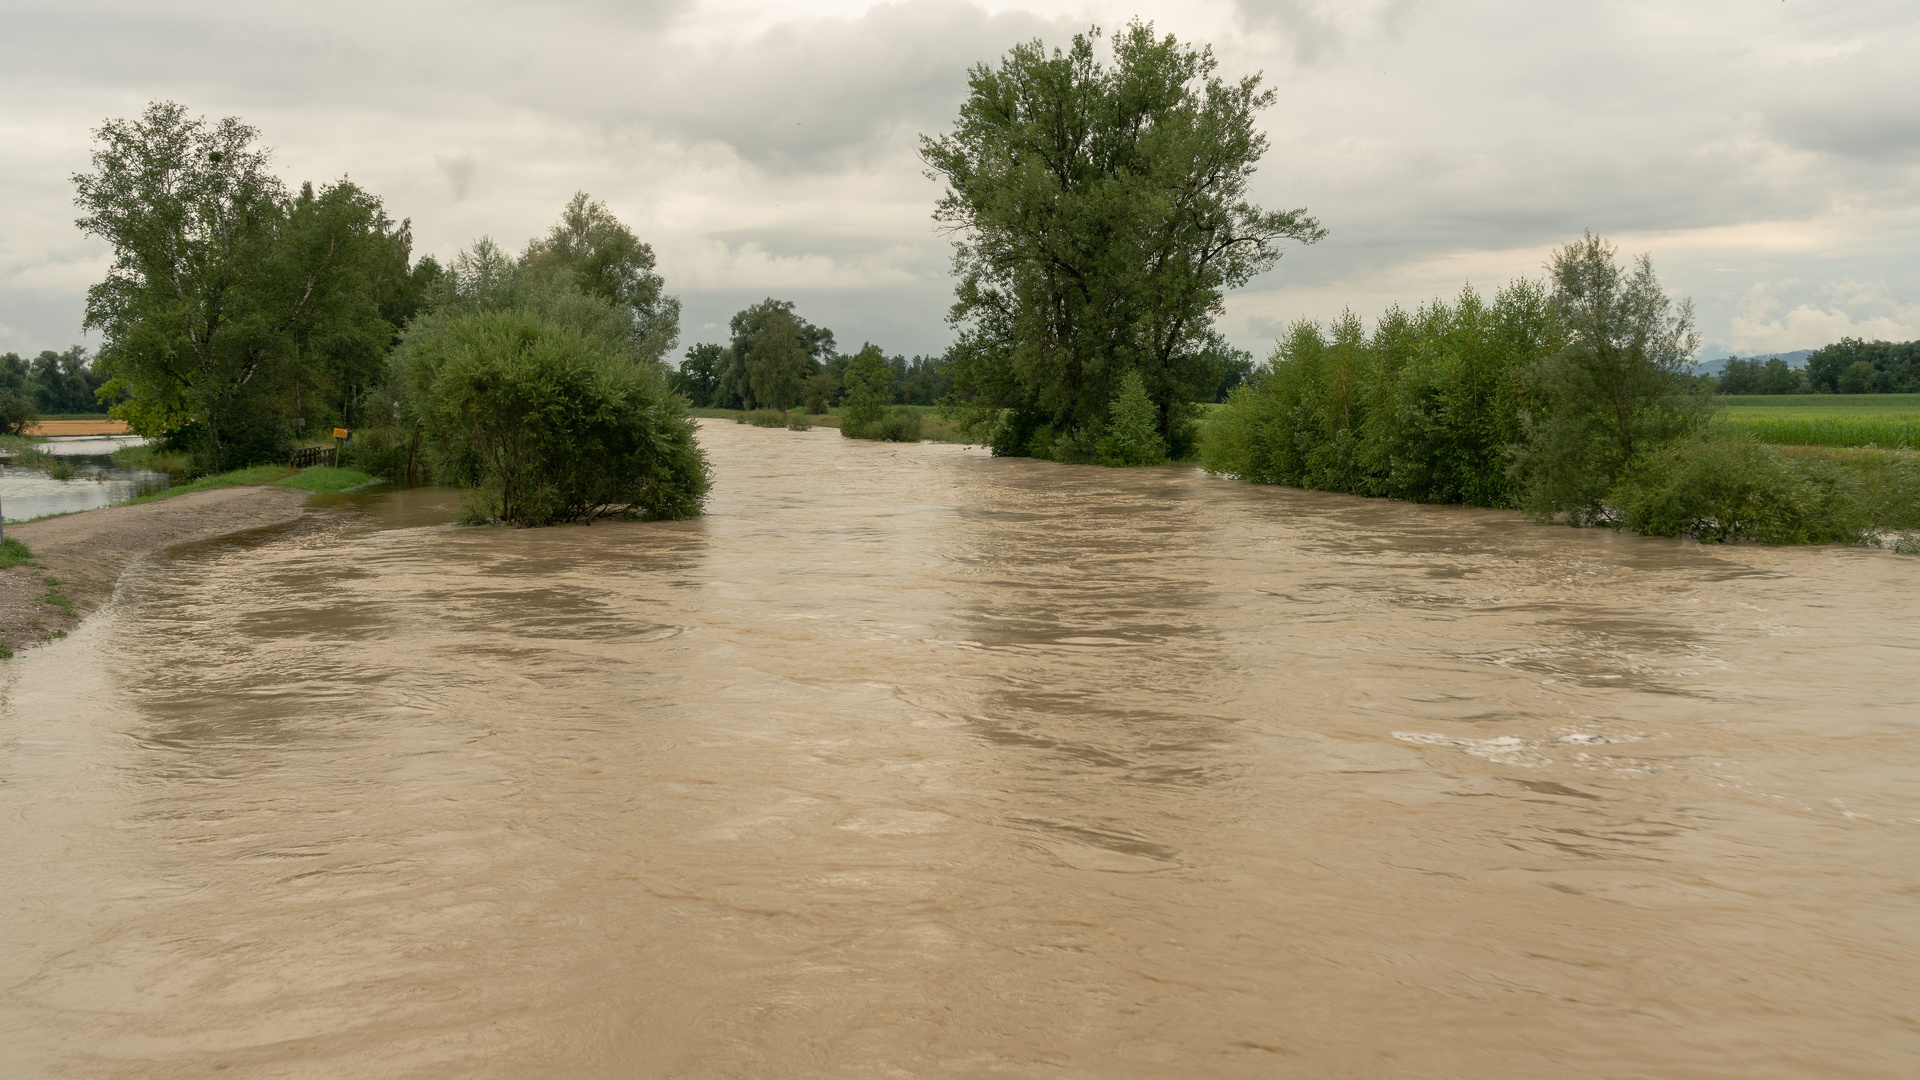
point(1848, 366)
point(778, 360)
point(53, 382)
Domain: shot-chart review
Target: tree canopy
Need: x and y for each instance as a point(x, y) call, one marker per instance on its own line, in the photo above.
point(233, 308)
point(535, 394)
point(607, 260)
point(772, 355)
point(1100, 216)
point(1618, 386)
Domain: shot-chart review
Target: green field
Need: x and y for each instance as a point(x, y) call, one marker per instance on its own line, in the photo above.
point(1829, 419)
point(1850, 404)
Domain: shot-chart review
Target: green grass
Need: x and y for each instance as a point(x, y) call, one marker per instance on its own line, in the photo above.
point(322, 478)
point(1826, 402)
point(53, 597)
point(13, 553)
point(251, 477)
point(153, 459)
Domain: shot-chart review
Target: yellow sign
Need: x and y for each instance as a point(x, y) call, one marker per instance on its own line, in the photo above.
point(340, 433)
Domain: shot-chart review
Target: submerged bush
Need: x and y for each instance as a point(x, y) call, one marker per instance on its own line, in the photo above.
point(1133, 427)
point(900, 424)
point(544, 423)
point(389, 452)
point(764, 418)
point(1734, 488)
point(869, 383)
point(1424, 408)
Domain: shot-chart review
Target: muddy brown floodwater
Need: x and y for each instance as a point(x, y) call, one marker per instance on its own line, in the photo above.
point(906, 761)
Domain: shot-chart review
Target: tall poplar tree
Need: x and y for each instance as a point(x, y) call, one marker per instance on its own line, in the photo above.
point(1100, 215)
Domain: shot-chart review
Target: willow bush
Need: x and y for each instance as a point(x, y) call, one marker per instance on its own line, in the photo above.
point(1423, 408)
point(543, 423)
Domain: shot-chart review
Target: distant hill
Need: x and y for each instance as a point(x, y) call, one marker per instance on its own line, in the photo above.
point(1795, 359)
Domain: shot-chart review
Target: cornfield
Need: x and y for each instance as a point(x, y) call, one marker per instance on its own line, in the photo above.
point(1882, 429)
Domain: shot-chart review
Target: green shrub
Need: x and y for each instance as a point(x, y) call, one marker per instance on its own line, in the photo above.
point(1735, 488)
point(390, 453)
point(13, 553)
point(765, 418)
point(16, 412)
point(869, 383)
point(1133, 427)
point(900, 424)
point(543, 423)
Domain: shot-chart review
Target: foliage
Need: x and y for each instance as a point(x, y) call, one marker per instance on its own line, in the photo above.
point(1853, 366)
point(1133, 427)
point(869, 389)
point(698, 377)
point(389, 452)
point(1734, 488)
point(922, 380)
point(1101, 216)
point(1617, 388)
point(764, 418)
point(818, 392)
point(605, 259)
point(1770, 376)
point(900, 424)
point(1423, 409)
point(55, 382)
point(772, 354)
point(544, 421)
point(234, 311)
point(16, 412)
point(777, 363)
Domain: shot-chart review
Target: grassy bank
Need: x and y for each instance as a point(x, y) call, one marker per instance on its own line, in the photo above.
point(320, 478)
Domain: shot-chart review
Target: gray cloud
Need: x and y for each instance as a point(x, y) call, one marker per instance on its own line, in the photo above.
point(1748, 146)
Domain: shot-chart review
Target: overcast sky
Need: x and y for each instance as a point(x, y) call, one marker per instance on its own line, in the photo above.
point(1766, 153)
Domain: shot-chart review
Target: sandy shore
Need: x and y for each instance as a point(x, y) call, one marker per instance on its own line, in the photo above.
point(87, 551)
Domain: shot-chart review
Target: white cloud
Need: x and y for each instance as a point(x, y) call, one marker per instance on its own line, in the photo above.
point(1779, 316)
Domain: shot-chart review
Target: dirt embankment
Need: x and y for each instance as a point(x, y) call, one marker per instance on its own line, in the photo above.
point(85, 552)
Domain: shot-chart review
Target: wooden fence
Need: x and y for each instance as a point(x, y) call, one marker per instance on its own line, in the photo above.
point(313, 455)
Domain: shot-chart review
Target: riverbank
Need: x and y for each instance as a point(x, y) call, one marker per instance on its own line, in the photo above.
point(83, 554)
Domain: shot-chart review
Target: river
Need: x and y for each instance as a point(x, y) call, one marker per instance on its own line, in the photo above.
point(907, 761)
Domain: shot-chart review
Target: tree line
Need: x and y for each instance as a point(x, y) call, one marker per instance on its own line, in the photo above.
point(52, 382)
point(1848, 366)
point(778, 360)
